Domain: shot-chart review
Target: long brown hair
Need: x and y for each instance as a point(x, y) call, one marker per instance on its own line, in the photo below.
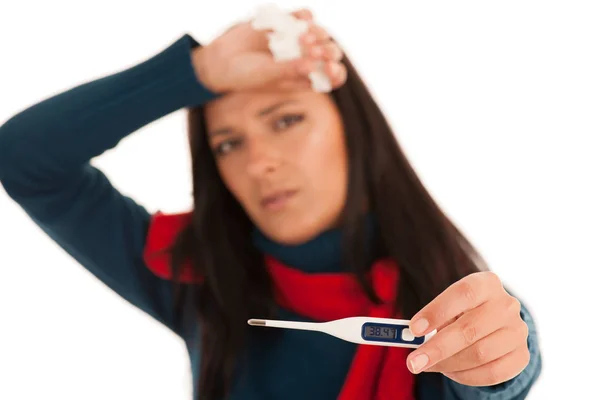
point(429, 250)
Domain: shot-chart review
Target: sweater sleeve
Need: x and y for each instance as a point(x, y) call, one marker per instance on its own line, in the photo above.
point(515, 389)
point(45, 154)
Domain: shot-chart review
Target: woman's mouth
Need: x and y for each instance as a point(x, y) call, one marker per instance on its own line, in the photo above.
point(277, 200)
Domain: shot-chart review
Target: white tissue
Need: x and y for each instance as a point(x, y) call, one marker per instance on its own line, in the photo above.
point(284, 41)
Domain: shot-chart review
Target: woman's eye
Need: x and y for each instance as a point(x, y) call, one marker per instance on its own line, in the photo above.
point(226, 146)
point(288, 120)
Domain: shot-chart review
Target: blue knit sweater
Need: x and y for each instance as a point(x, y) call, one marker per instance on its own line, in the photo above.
point(45, 154)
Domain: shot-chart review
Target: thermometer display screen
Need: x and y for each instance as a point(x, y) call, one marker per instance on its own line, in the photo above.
point(379, 332)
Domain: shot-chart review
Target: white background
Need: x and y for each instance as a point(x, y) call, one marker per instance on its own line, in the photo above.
point(496, 103)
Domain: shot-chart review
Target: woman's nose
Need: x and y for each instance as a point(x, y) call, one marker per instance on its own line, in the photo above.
point(263, 157)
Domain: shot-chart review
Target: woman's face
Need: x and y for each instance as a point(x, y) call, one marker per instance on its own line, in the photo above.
point(282, 155)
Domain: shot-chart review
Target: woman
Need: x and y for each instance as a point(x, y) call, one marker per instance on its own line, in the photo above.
point(294, 192)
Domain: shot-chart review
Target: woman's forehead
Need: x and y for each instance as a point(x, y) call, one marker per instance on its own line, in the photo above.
point(257, 100)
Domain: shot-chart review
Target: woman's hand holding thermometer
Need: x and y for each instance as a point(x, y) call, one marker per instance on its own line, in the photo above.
point(472, 332)
point(481, 337)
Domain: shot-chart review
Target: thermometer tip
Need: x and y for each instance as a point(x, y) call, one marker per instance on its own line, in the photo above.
point(257, 322)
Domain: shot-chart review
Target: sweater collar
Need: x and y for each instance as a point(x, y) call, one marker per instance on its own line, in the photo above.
point(322, 253)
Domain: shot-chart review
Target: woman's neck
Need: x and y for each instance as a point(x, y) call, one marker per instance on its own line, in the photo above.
point(320, 254)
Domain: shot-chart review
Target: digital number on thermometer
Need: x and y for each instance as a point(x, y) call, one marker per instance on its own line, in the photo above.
point(378, 332)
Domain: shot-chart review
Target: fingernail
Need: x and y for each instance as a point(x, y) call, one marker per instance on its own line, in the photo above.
point(419, 326)
point(418, 363)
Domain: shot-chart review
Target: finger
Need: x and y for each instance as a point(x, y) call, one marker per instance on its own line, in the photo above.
point(461, 296)
point(327, 51)
point(303, 14)
point(298, 71)
point(315, 34)
point(465, 332)
point(337, 73)
point(292, 84)
point(488, 349)
point(274, 72)
point(321, 34)
point(495, 372)
point(306, 66)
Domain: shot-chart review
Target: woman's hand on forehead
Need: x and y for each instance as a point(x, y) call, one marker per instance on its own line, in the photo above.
point(240, 59)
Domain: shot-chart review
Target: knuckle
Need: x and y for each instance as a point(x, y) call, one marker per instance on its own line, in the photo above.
point(513, 305)
point(480, 354)
point(436, 353)
point(523, 330)
point(495, 374)
point(436, 315)
point(521, 359)
point(333, 51)
point(469, 333)
point(319, 31)
point(493, 278)
point(468, 291)
point(526, 358)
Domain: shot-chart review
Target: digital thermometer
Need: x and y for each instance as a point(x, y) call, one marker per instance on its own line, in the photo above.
point(360, 330)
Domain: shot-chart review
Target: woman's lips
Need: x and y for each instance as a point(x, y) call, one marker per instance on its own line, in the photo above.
point(277, 200)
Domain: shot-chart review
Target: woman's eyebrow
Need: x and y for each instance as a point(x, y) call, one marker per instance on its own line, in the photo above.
point(261, 113)
point(274, 107)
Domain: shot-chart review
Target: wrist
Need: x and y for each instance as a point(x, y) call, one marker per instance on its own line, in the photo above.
point(201, 61)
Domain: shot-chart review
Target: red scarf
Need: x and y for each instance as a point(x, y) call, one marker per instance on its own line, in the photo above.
point(377, 372)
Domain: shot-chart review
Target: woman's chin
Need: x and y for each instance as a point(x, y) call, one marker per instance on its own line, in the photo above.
point(292, 234)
